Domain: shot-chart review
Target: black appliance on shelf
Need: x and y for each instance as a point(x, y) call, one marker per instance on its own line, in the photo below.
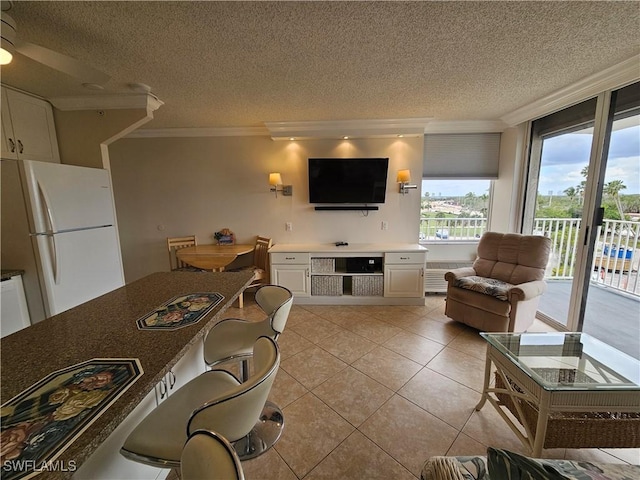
point(364, 264)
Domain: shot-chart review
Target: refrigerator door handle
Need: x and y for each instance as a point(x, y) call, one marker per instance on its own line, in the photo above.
point(54, 257)
point(44, 203)
point(49, 228)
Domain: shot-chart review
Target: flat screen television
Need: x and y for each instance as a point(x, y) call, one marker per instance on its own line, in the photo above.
point(348, 180)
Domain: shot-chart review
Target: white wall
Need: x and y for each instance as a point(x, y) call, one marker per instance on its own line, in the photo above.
point(506, 198)
point(179, 186)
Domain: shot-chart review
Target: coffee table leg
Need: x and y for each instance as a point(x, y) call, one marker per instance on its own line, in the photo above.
point(485, 389)
point(541, 426)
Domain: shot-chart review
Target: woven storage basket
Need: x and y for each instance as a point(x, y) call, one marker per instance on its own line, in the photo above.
point(323, 265)
point(579, 429)
point(367, 285)
point(329, 285)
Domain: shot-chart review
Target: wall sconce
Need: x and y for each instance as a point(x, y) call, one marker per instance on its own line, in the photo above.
point(403, 178)
point(275, 180)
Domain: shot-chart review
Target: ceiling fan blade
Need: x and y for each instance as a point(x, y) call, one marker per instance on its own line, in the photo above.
point(62, 63)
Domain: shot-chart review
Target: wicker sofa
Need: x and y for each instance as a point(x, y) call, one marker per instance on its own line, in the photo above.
point(503, 464)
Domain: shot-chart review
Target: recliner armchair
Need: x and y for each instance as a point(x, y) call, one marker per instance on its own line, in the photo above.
point(501, 291)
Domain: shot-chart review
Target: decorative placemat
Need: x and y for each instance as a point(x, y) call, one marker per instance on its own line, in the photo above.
point(41, 422)
point(180, 311)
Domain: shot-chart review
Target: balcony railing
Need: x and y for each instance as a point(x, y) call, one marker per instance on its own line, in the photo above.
point(615, 261)
point(452, 228)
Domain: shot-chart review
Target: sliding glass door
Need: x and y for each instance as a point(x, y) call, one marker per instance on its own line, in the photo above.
point(582, 190)
point(612, 290)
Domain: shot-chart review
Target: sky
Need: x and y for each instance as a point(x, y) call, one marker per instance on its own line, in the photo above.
point(563, 157)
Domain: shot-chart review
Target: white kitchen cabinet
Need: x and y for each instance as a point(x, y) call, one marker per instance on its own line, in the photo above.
point(293, 271)
point(106, 463)
point(28, 129)
point(404, 274)
point(14, 314)
point(187, 368)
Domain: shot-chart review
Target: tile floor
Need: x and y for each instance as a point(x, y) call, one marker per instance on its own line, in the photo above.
point(374, 391)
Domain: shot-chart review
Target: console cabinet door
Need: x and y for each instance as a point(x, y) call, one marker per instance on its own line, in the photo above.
point(294, 277)
point(404, 280)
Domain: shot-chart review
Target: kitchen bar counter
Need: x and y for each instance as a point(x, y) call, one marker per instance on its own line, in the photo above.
point(106, 328)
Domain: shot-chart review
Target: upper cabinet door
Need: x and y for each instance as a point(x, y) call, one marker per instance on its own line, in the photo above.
point(30, 134)
point(9, 149)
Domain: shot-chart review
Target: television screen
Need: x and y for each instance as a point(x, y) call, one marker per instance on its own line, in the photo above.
point(348, 180)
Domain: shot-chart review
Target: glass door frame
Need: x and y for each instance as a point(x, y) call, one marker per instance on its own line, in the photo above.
point(591, 216)
point(591, 213)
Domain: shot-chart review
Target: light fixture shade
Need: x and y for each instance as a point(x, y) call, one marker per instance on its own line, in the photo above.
point(8, 37)
point(5, 57)
point(275, 179)
point(404, 176)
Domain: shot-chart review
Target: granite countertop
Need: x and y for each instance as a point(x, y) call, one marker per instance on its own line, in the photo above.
point(7, 274)
point(106, 328)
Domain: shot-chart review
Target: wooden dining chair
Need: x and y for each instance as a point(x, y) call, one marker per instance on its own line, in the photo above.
point(260, 265)
point(176, 243)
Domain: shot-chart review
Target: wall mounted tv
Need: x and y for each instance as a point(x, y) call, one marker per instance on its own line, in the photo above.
point(348, 180)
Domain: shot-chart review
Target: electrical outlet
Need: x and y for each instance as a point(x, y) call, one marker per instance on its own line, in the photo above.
point(288, 226)
point(384, 226)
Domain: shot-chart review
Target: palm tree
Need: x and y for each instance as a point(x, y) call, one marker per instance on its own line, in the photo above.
point(580, 191)
point(571, 192)
point(469, 199)
point(613, 189)
point(580, 188)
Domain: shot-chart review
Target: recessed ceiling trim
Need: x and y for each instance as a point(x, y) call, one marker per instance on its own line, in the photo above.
point(616, 76)
point(336, 130)
point(201, 132)
point(465, 126)
point(349, 128)
point(108, 102)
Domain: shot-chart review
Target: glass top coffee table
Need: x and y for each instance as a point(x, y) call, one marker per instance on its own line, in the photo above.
point(566, 390)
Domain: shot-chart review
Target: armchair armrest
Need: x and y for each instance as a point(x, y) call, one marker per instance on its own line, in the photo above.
point(452, 275)
point(527, 290)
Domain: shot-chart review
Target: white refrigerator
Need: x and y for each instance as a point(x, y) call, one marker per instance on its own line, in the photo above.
point(73, 233)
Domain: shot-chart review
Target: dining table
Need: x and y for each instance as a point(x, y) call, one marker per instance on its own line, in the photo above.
point(212, 257)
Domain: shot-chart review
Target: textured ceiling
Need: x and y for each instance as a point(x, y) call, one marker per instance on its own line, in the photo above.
point(239, 64)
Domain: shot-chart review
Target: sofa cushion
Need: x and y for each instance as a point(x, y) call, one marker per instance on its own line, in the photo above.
point(455, 468)
point(512, 257)
point(505, 465)
point(488, 286)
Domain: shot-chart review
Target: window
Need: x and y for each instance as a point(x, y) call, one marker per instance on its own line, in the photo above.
point(454, 210)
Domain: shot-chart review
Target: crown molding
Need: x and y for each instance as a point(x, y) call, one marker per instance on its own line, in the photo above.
point(108, 102)
point(347, 128)
point(200, 132)
point(465, 126)
point(332, 129)
point(616, 76)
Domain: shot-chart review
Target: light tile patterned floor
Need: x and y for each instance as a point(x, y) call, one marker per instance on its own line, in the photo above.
point(374, 391)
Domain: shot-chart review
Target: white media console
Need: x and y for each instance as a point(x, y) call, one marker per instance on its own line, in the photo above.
point(356, 274)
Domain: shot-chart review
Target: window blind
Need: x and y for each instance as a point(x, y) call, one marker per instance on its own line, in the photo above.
point(461, 155)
